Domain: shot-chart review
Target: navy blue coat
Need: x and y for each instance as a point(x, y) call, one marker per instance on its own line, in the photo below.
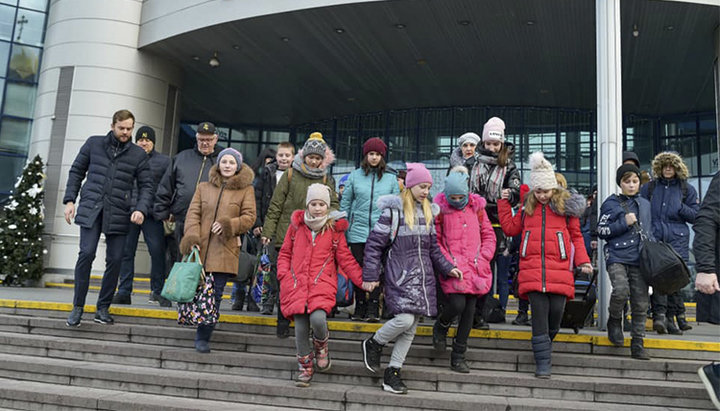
point(111, 168)
point(158, 163)
point(670, 215)
point(623, 241)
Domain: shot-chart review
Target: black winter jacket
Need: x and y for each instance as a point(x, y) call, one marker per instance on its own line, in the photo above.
point(706, 245)
point(265, 183)
point(158, 162)
point(177, 187)
point(111, 168)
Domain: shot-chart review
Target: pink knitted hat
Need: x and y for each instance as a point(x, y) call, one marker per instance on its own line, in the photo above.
point(494, 130)
point(417, 174)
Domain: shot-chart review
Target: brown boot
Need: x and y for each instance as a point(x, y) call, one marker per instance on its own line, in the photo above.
point(322, 355)
point(305, 366)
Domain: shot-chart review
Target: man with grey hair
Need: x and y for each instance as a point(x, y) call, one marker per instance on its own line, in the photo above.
point(188, 169)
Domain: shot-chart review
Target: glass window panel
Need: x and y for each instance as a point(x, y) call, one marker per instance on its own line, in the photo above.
point(12, 167)
point(19, 100)
point(15, 135)
point(248, 150)
point(401, 140)
point(708, 155)
point(223, 134)
point(12, 2)
point(40, 5)
point(347, 141)
point(270, 136)
point(245, 134)
point(4, 54)
point(679, 127)
point(7, 22)
point(29, 27)
point(24, 62)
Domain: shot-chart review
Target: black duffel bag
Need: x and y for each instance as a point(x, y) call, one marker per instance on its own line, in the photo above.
point(661, 266)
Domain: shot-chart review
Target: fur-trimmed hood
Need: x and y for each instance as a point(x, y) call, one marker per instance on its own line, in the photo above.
point(242, 179)
point(393, 201)
point(456, 157)
point(669, 158)
point(574, 206)
point(475, 201)
point(341, 224)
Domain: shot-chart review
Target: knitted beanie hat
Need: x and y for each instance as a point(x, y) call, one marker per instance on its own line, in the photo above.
point(314, 145)
point(145, 132)
point(375, 144)
point(468, 137)
point(542, 175)
point(626, 168)
point(232, 152)
point(417, 174)
point(318, 191)
point(494, 130)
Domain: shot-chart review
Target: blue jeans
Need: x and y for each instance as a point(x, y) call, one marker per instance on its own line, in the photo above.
point(502, 266)
point(89, 238)
point(154, 235)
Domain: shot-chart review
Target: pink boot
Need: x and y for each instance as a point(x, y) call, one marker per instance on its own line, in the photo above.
point(305, 366)
point(322, 356)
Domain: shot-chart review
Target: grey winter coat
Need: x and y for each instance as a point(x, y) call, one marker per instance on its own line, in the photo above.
point(413, 259)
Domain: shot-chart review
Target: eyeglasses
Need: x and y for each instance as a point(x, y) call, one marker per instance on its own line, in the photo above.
point(205, 141)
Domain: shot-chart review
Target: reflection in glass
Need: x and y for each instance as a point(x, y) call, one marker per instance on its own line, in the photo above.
point(10, 166)
point(4, 54)
point(7, 21)
point(29, 27)
point(24, 63)
point(248, 150)
point(15, 135)
point(40, 5)
point(19, 99)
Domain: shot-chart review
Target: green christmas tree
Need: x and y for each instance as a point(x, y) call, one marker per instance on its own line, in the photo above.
point(21, 228)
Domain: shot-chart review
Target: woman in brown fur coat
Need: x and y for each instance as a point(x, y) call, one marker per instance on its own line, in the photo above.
point(221, 210)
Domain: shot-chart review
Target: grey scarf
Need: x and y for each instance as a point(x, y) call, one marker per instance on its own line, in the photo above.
point(487, 178)
point(313, 173)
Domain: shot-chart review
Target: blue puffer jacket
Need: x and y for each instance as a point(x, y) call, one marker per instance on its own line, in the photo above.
point(359, 201)
point(158, 163)
point(623, 241)
point(111, 168)
point(670, 215)
point(411, 261)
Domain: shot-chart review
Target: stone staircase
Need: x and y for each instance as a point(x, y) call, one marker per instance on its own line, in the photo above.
point(146, 361)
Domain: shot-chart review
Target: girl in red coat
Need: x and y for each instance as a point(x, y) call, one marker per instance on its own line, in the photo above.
point(551, 246)
point(307, 271)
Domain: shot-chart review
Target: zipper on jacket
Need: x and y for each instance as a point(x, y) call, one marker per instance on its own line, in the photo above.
point(317, 277)
point(372, 191)
point(202, 168)
point(422, 268)
point(292, 271)
point(561, 243)
point(525, 244)
point(542, 248)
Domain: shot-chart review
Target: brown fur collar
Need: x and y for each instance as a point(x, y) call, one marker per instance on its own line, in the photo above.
point(668, 158)
point(237, 182)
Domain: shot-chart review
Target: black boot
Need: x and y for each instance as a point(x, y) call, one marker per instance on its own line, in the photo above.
point(480, 323)
point(542, 350)
point(682, 323)
point(373, 311)
point(439, 335)
point(268, 306)
point(252, 305)
point(360, 313)
point(672, 328)
point(372, 352)
point(637, 349)
point(239, 299)
point(202, 338)
point(615, 331)
point(522, 318)
point(659, 323)
point(457, 358)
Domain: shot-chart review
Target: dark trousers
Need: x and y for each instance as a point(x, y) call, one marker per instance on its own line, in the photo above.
point(502, 274)
point(547, 311)
point(89, 238)
point(358, 251)
point(668, 304)
point(154, 235)
point(179, 232)
point(464, 306)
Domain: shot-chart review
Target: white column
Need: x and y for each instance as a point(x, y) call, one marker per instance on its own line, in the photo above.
point(609, 122)
point(96, 43)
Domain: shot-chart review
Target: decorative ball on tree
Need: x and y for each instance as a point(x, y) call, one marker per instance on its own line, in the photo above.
point(21, 228)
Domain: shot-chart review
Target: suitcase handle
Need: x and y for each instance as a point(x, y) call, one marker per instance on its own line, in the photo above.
point(593, 277)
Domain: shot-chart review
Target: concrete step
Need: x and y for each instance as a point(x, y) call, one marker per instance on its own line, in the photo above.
point(185, 373)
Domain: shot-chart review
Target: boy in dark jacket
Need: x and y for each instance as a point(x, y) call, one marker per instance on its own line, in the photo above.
point(618, 226)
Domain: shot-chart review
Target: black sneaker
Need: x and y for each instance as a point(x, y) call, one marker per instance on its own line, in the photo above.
point(710, 376)
point(102, 316)
point(75, 317)
point(122, 299)
point(372, 351)
point(480, 323)
point(373, 311)
point(393, 382)
point(152, 298)
point(521, 319)
point(164, 302)
point(252, 305)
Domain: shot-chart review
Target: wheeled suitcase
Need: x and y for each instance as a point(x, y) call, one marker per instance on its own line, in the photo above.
point(579, 311)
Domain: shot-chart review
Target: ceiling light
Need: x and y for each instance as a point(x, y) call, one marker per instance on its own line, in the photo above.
point(464, 22)
point(196, 58)
point(339, 30)
point(669, 28)
point(236, 46)
point(421, 62)
point(285, 39)
point(400, 26)
point(351, 99)
point(214, 62)
point(530, 23)
point(636, 32)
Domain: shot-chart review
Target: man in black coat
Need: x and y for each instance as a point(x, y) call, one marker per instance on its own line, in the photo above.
point(188, 169)
point(152, 229)
point(112, 165)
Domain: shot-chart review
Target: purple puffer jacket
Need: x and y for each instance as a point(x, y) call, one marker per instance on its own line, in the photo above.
point(409, 275)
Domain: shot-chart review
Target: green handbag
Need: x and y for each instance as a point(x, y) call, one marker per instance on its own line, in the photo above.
point(182, 283)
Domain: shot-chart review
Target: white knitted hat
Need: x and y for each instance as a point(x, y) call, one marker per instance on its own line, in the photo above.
point(318, 191)
point(542, 175)
point(471, 137)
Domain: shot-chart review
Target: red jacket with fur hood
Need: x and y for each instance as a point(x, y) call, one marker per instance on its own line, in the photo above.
point(552, 245)
point(307, 269)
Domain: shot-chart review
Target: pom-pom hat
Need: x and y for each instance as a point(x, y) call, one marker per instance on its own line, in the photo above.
point(542, 175)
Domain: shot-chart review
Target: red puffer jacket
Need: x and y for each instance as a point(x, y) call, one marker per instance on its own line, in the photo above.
point(307, 269)
point(552, 245)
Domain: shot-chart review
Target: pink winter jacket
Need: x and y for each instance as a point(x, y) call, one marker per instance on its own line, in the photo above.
point(467, 239)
